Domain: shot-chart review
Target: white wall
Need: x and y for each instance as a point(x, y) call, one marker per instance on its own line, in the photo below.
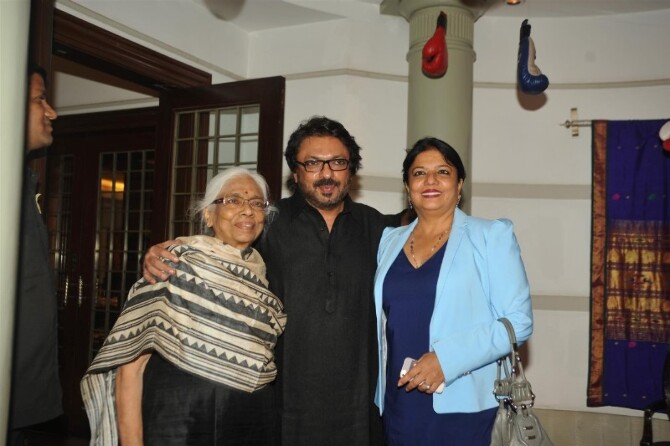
point(540, 176)
point(14, 19)
point(525, 166)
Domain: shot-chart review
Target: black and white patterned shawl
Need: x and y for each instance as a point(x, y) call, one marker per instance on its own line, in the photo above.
point(215, 318)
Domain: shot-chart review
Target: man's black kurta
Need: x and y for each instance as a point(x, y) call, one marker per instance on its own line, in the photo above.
point(327, 357)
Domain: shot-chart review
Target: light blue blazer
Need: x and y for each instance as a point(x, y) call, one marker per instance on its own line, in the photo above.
point(482, 278)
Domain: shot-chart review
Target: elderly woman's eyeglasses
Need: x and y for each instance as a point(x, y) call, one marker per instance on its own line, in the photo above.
point(317, 165)
point(257, 204)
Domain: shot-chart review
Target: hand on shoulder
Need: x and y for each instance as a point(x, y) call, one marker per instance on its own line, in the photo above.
point(155, 266)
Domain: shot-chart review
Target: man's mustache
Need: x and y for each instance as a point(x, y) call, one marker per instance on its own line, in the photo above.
point(326, 182)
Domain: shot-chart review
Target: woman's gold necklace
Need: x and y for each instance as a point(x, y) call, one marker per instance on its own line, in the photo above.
point(432, 250)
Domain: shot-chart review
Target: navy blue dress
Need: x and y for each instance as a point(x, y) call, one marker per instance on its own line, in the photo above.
point(409, 418)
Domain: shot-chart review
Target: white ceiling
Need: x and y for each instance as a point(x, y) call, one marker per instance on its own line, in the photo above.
point(258, 15)
point(575, 8)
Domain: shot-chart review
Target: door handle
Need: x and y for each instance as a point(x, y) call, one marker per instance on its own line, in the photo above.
point(81, 290)
point(67, 289)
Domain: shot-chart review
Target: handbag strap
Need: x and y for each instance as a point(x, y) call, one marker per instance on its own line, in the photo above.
point(515, 359)
point(514, 388)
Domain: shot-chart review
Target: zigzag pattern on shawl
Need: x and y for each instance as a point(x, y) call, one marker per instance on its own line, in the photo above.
point(217, 351)
point(235, 335)
point(201, 263)
point(214, 318)
point(248, 314)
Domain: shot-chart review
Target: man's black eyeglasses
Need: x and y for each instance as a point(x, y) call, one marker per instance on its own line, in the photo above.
point(317, 165)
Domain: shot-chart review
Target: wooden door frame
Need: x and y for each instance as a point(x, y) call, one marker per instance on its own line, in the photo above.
point(54, 32)
point(81, 42)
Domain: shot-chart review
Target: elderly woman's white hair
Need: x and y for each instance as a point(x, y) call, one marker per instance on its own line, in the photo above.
point(217, 183)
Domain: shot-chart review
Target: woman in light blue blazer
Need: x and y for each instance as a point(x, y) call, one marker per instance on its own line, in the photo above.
point(442, 283)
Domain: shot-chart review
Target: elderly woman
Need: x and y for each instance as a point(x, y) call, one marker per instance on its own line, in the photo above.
point(442, 283)
point(189, 360)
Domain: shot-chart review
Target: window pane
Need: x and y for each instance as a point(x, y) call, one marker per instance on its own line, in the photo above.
point(207, 123)
point(201, 179)
point(182, 228)
point(185, 125)
point(136, 161)
point(226, 151)
point(182, 180)
point(121, 162)
point(184, 155)
point(248, 149)
point(135, 200)
point(134, 220)
point(206, 152)
point(134, 182)
point(121, 232)
point(149, 179)
point(203, 175)
point(132, 240)
point(147, 222)
point(148, 197)
point(228, 122)
point(181, 205)
point(250, 117)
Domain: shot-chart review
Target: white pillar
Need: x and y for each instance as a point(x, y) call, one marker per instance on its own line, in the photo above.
point(14, 26)
point(441, 107)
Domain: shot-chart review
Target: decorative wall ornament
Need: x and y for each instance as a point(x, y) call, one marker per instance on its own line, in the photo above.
point(530, 78)
point(435, 58)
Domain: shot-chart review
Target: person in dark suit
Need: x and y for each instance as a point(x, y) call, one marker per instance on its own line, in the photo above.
point(36, 394)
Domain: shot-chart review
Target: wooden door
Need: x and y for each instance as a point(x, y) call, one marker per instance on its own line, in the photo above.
point(118, 180)
point(100, 174)
point(207, 129)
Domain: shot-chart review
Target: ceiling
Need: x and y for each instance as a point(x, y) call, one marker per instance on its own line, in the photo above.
point(259, 15)
point(575, 8)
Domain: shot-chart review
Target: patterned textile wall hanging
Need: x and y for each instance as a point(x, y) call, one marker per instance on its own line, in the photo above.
point(630, 264)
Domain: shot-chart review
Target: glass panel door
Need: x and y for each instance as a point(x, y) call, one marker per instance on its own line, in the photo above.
point(207, 129)
point(125, 188)
point(206, 142)
point(100, 178)
point(58, 211)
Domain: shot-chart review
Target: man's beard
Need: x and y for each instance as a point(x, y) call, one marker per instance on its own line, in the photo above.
point(322, 202)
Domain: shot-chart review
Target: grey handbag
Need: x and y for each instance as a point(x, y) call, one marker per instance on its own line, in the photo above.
point(515, 423)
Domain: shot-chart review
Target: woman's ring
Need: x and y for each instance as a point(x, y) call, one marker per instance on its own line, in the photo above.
point(427, 386)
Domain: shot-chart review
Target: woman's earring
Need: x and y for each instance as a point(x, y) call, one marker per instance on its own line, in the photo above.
point(411, 206)
point(459, 200)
